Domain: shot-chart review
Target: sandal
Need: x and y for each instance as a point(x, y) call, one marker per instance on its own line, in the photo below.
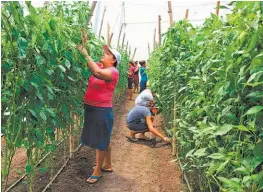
point(96, 178)
point(131, 139)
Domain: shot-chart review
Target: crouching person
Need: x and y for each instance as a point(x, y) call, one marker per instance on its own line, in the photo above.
point(139, 120)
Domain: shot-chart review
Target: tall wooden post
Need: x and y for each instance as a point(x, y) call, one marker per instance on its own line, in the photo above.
point(149, 51)
point(129, 51)
point(170, 12)
point(118, 44)
point(217, 7)
point(123, 40)
point(154, 37)
point(134, 53)
point(159, 31)
point(111, 37)
point(102, 21)
point(126, 47)
point(91, 11)
point(108, 34)
point(186, 14)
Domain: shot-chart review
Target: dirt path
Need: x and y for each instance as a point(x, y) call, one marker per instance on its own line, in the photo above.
point(138, 167)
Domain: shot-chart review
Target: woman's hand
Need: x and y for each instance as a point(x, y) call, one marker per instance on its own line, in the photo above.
point(83, 50)
point(84, 37)
point(167, 140)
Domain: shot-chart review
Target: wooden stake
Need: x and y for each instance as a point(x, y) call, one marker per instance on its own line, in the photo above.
point(170, 12)
point(217, 7)
point(154, 37)
point(71, 127)
point(126, 47)
point(134, 53)
point(123, 40)
point(159, 31)
point(118, 44)
point(111, 37)
point(173, 129)
point(186, 14)
point(149, 51)
point(102, 20)
point(91, 11)
point(129, 51)
point(108, 34)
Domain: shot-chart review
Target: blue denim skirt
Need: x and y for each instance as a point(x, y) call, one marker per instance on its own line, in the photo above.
point(98, 122)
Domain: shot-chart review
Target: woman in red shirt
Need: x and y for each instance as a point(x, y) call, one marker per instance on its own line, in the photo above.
point(98, 119)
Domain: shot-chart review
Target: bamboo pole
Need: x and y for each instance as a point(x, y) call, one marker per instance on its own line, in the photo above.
point(71, 126)
point(159, 31)
point(149, 51)
point(108, 34)
point(186, 14)
point(134, 53)
point(118, 44)
point(154, 37)
point(170, 12)
point(126, 47)
point(123, 40)
point(129, 51)
point(173, 127)
point(111, 37)
point(101, 24)
point(91, 11)
point(217, 7)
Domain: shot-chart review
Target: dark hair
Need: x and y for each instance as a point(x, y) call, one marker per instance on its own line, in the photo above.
point(131, 62)
point(142, 62)
point(116, 63)
point(136, 62)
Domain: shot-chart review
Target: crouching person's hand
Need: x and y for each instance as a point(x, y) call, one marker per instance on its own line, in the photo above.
point(167, 140)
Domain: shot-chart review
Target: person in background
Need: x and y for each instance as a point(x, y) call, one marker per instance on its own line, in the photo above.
point(139, 120)
point(130, 73)
point(98, 116)
point(144, 77)
point(136, 77)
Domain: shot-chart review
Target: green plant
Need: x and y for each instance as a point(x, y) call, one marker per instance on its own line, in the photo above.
point(215, 75)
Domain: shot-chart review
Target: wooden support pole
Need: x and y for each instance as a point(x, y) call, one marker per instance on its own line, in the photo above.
point(101, 24)
point(91, 11)
point(159, 31)
point(126, 48)
point(118, 44)
point(186, 14)
point(154, 37)
point(129, 51)
point(170, 12)
point(217, 7)
point(71, 139)
point(134, 53)
point(111, 37)
point(108, 34)
point(149, 51)
point(123, 40)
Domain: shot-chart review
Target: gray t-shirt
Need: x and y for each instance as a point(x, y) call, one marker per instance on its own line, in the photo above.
point(137, 114)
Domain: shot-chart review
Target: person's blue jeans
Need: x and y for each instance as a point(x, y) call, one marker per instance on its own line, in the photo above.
point(143, 85)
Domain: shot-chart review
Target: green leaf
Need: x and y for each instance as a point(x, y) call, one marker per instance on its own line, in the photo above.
point(257, 61)
point(28, 168)
point(242, 128)
point(200, 152)
point(256, 94)
point(67, 63)
point(222, 130)
point(62, 68)
point(216, 156)
point(253, 110)
point(229, 182)
point(33, 113)
point(43, 116)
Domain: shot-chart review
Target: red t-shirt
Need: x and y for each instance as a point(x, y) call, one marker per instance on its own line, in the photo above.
point(99, 92)
point(132, 69)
